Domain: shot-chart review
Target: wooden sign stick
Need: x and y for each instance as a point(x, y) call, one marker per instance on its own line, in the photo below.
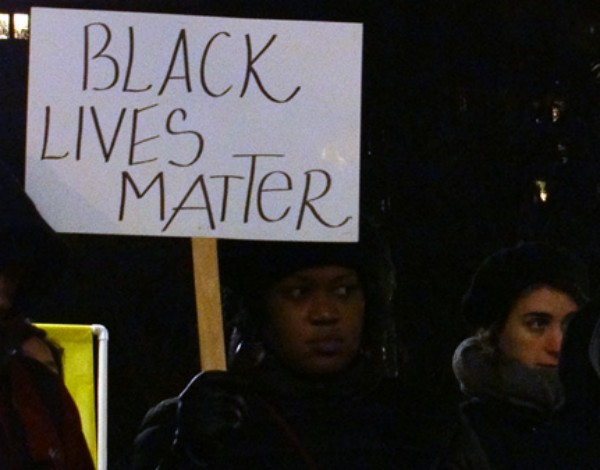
point(208, 304)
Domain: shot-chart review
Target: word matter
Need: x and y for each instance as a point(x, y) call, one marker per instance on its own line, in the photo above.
point(308, 196)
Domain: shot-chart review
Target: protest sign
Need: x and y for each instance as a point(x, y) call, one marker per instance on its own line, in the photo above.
point(172, 125)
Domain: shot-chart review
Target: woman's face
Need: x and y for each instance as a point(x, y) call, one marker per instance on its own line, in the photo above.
point(316, 315)
point(533, 332)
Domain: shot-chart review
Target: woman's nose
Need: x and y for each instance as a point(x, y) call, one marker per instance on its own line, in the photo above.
point(554, 341)
point(323, 310)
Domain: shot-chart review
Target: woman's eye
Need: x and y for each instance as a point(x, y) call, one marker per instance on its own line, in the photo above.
point(341, 291)
point(346, 290)
point(296, 292)
point(537, 324)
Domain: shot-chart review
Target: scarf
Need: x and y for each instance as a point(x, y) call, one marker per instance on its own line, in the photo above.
point(483, 375)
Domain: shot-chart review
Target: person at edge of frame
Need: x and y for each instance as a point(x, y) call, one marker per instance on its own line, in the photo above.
point(312, 372)
point(520, 301)
point(575, 436)
point(40, 426)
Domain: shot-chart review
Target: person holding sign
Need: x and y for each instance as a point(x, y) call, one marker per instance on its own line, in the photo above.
point(40, 425)
point(307, 384)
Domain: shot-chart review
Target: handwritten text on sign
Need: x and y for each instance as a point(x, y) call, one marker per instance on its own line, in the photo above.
point(151, 124)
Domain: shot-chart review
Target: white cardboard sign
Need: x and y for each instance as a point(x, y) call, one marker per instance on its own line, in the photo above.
point(172, 125)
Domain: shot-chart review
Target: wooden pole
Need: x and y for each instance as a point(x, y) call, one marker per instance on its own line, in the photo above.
point(208, 304)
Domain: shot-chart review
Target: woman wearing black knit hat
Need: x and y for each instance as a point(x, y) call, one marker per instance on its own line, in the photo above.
point(519, 301)
point(311, 389)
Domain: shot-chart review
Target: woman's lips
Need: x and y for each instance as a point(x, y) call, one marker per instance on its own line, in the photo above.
point(327, 346)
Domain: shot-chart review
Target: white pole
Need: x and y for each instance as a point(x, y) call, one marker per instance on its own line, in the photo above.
point(102, 385)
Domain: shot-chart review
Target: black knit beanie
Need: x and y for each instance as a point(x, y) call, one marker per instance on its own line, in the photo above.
point(504, 275)
point(257, 265)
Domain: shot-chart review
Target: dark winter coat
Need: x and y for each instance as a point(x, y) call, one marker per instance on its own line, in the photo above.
point(507, 419)
point(344, 423)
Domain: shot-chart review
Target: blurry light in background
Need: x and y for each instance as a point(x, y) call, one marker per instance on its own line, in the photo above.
point(543, 192)
point(14, 26)
point(4, 29)
point(21, 22)
point(557, 109)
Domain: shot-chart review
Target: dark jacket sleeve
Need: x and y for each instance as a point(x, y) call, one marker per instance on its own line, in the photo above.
point(187, 432)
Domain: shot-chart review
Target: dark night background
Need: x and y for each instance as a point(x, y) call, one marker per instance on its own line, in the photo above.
point(457, 126)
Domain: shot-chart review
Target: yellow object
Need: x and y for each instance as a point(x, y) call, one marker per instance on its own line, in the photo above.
point(77, 341)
